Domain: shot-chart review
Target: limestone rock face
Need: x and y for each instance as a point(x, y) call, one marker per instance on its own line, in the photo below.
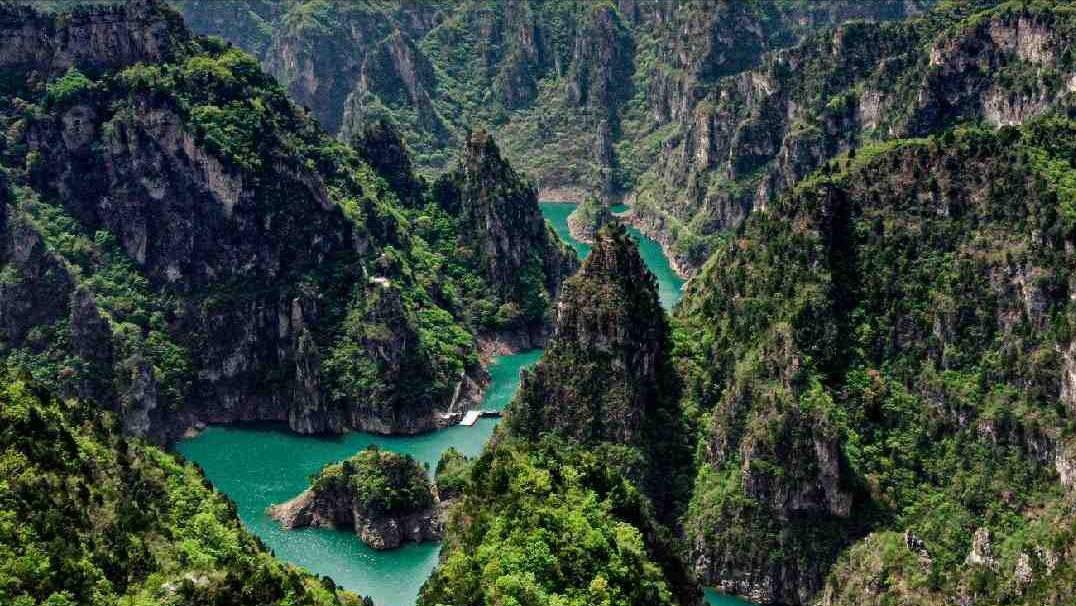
point(751, 134)
point(379, 532)
point(501, 222)
point(96, 37)
point(600, 377)
point(557, 79)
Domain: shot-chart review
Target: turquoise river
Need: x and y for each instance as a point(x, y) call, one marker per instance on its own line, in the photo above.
point(257, 466)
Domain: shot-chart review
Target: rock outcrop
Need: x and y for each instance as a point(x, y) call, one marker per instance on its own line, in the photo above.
point(386, 498)
point(500, 219)
point(600, 377)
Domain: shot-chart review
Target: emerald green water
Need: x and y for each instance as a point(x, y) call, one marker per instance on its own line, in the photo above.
point(670, 285)
point(714, 598)
point(259, 466)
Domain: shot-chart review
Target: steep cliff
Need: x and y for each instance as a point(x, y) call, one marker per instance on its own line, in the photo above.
point(385, 497)
point(502, 229)
point(566, 502)
point(601, 378)
point(582, 95)
point(882, 350)
point(88, 516)
point(183, 244)
point(754, 134)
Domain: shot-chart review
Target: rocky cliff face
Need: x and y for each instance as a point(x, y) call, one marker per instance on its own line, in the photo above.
point(578, 93)
point(912, 306)
point(754, 134)
point(96, 38)
point(185, 245)
point(383, 496)
point(379, 532)
point(501, 222)
point(599, 379)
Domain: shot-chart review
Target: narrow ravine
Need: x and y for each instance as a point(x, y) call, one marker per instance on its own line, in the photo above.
point(257, 466)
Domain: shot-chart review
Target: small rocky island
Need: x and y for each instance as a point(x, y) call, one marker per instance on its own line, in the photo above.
point(386, 497)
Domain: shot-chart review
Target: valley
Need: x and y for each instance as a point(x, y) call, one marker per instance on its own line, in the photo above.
point(773, 299)
point(258, 467)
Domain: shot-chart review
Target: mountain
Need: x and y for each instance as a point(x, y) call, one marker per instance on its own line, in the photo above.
point(582, 95)
point(561, 506)
point(754, 134)
point(885, 368)
point(600, 378)
point(184, 245)
point(88, 516)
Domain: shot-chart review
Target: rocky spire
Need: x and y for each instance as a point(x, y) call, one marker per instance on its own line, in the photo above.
point(602, 372)
point(501, 222)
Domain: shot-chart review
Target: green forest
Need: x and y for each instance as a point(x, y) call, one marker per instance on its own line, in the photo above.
point(321, 231)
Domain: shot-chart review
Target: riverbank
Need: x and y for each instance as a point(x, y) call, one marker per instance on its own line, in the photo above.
point(265, 464)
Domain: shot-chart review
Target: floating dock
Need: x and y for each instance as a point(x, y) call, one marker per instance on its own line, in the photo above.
point(471, 416)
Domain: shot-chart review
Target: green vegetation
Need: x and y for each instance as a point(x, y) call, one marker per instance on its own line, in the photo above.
point(893, 309)
point(452, 474)
point(378, 482)
point(90, 517)
point(551, 522)
point(68, 88)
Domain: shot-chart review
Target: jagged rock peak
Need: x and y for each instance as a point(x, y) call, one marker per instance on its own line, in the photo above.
point(501, 220)
point(482, 156)
point(615, 258)
point(602, 372)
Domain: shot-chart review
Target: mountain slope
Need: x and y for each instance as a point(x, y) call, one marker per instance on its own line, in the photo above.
point(755, 134)
point(577, 92)
point(90, 517)
point(886, 349)
point(214, 256)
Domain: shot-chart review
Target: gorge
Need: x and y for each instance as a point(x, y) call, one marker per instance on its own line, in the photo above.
point(776, 297)
point(260, 467)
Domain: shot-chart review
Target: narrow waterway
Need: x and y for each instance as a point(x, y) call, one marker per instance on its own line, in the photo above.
point(670, 285)
point(257, 466)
